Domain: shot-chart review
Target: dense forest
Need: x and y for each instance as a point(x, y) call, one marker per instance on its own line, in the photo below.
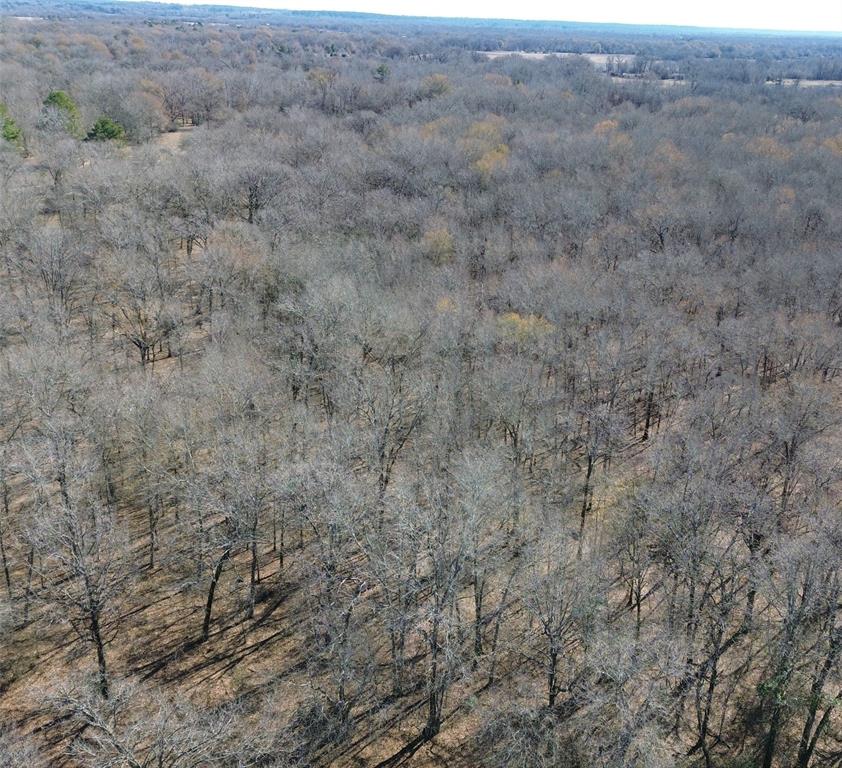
point(368, 399)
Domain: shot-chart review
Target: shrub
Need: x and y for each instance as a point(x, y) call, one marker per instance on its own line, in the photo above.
point(106, 129)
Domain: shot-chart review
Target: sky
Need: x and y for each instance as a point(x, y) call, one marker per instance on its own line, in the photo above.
point(800, 15)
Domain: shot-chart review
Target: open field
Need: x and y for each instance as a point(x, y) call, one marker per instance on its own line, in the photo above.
point(597, 59)
point(623, 60)
point(809, 83)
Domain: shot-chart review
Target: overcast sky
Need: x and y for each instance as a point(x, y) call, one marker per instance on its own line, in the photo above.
point(809, 15)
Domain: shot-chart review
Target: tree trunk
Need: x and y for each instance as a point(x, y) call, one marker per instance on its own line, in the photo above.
point(96, 634)
point(498, 620)
point(435, 693)
point(648, 416)
point(217, 572)
point(479, 590)
point(586, 490)
point(552, 680)
point(254, 576)
point(397, 638)
point(809, 738)
point(771, 738)
point(30, 561)
point(6, 571)
point(153, 530)
point(5, 560)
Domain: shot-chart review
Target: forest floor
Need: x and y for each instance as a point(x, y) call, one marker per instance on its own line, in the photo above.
point(173, 140)
point(242, 660)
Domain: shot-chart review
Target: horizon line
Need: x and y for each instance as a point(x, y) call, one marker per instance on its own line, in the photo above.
point(478, 19)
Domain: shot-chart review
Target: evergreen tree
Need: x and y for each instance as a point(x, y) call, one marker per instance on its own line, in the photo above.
point(66, 109)
point(9, 129)
point(106, 129)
